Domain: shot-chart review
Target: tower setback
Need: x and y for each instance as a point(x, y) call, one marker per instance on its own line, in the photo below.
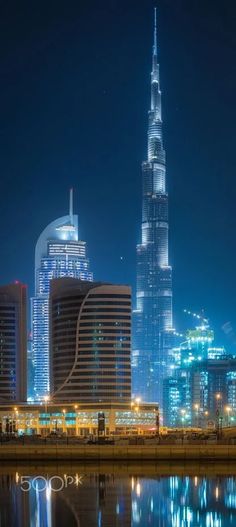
point(153, 330)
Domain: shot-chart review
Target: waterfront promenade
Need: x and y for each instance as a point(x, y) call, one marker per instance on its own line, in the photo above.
point(67, 452)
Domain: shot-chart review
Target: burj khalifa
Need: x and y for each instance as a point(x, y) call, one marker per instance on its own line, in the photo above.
point(152, 323)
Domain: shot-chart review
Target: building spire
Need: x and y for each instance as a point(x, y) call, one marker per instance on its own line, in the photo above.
point(71, 206)
point(155, 67)
point(154, 128)
point(155, 32)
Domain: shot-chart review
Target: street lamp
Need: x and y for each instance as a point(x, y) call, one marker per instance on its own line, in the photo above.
point(218, 419)
point(64, 414)
point(228, 409)
point(76, 419)
point(16, 420)
point(183, 413)
point(46, 399)
point(206, 414)
point(197, 406)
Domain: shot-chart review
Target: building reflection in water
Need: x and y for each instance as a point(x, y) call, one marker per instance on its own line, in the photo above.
point(184, 502)
point(101, 500)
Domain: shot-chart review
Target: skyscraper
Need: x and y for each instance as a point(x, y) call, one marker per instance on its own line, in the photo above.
point(90, 341)
point(153, 314)
point(58, 253)
point(13, 343)
point(195, 365)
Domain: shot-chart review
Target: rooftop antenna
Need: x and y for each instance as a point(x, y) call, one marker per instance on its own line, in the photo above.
point(155, 31)
point(71, 206)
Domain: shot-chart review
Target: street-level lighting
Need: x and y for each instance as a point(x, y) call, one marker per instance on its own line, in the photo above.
point(228, 409)
point(46, 399)
point(16, 416)
point(183, 413)
point(64, 414)
point(197, 408)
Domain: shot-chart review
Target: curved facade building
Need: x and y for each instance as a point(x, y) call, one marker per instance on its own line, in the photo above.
point(90, 341)
point(59, 252)
point(153, 331)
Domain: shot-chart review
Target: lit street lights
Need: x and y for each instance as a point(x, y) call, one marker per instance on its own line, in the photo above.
point(218, 397)
point(197, 407)
point(46, 399)
point(228, 409)
point(206, 414)
point(64, 415)
point(15, 429)
point(183, 413)
point(76, 419)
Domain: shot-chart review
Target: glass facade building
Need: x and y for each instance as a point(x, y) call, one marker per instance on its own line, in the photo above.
point(59, 253)
point(90, 346)
point(199, 372)
point(214, 389)
point(153, 332)
point(13, 343)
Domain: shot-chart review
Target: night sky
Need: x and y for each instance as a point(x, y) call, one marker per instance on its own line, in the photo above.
point(74, 99)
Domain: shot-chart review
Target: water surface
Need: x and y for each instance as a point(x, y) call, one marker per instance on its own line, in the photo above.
point(117, 496)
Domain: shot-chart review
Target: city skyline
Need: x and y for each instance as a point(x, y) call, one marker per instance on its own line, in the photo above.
point(117, 290)
point(206, 291)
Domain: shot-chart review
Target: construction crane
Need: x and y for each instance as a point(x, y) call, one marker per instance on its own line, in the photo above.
point(176, 334)
point(197, 316)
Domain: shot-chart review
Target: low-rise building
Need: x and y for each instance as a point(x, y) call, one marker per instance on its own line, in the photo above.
point(79, 419)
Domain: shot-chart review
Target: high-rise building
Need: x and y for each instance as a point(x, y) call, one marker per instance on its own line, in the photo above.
point(90, 348)
point(13, 343)
point(199, 371)
point(153, 331)
point(214, 389)
point(59, 252)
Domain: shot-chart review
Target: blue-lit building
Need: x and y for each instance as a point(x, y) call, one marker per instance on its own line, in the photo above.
point(153, 332)
point(202, 381)
point(59, 252)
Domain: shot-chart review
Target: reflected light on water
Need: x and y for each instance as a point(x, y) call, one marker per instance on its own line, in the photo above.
point(113, 500)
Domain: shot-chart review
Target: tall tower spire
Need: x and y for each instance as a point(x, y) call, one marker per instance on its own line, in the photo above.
point(154, 129)
point(71, 206)
point(155, 32)
point(153, 314)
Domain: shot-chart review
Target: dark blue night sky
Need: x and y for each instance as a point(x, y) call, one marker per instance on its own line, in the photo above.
point(74, 100)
